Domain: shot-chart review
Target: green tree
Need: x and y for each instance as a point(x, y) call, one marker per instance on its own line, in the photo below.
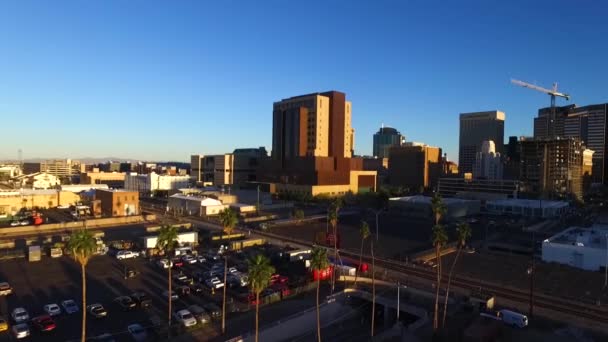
point(319, 262)
point(298, 214)
point(364, 234)
point(83, 245)
point(228, 219)
point(260, 272)
point(166, 242)
point(439, 238)
point(464, 233)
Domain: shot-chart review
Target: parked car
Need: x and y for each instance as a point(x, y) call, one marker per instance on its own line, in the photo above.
point(185, 318)
point(3, 325)
point(20, 315)
point(177, 263)
point(97, 310)
point(52, 309)
point(14, 223)
point(197, 288)
point(174, 295)
point(183, 290)
point(201, 258)
point(69, 306)
point(130, 273)
point(189, 259)
point(125, 303)
point(182, 279)
point(141, 299)
point(44, 323)
point(21, 330)
point(200, 314)
point(214, 283)
point(5, 289)
point(214, 311)
point(105, 337)
point(24, 222)
point(164, 263)
point(138, 333)
point(120, 255)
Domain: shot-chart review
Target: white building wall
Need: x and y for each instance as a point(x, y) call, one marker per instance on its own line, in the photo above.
point(587, 258)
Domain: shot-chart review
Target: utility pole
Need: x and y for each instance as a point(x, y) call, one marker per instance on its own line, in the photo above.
point(398, 299)
point(531, 271)
point(606, 266)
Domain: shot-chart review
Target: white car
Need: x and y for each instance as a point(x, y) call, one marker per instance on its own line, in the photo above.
point(138, 333)
point(120, 255)
point(174, 295)
point(5, 289)
point(189, 259)
point(164, 263)
point(20, 315)
point(52, 309)
point(214, 282)
point(69, 306)
point(185, 318)
point(201, 258)
point(21, 330)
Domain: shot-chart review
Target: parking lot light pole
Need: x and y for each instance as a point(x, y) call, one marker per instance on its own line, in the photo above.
point(398, 299)
point(224, 298)
point(606, 265)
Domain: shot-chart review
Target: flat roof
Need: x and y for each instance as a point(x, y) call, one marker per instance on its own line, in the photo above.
point(28, 192)
point(204, 201)
point(427, 199)
point(594, 237)
point(528, 203)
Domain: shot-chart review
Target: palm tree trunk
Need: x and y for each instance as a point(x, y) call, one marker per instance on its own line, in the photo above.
point(360, 262)
point(318, 315)
point(83, 335)
point(333, 273)
point(224, 296)
point(373, 288)
point(436, 314)
point(170, 302)
point(257, 314)
point(447, 290)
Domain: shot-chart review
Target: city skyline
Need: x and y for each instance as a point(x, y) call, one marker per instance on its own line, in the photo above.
point(160, 80)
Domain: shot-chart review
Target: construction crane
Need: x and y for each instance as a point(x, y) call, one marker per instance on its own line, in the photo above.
point(552, 92)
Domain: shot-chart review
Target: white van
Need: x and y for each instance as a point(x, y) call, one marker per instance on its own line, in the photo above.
point(514, 318)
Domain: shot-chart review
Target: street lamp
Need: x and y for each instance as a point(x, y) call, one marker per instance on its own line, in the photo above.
point(606, 266)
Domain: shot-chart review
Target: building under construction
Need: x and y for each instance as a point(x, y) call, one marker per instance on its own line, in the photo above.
point(554, 166)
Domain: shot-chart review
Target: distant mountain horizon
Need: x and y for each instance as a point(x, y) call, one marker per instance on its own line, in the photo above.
point(93, 160)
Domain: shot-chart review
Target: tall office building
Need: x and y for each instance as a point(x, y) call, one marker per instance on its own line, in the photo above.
point(586, 123)
point(553, 166)
point(317, 125)
point(488, 162)
point(475, 128)
point(196, 168)
point(384, 139)
point(312, 147)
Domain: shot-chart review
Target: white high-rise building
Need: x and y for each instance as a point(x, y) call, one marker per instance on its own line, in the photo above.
point(488, 163)
point(152, 182)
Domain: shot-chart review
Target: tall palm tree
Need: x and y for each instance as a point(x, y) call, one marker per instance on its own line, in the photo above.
point(228, 219)
point(319, 262)
point(166, 242)
point(260, 272)
point(83, 246)
point(439, 238)
point(364, 234)
point(333, 209)
point(464, 233)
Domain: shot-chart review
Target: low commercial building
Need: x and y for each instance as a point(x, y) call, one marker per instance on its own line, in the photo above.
point(118, 202)
point(584, 248)
point(11, 201)
point(78, 188)
point(420, 207)
point(194, 205)
point(38, 180)
point(115, 180)
point(528, 208)
point(149, 183)
point(9, 171)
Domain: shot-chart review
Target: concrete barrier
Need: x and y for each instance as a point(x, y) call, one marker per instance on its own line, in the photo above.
point(69, 226)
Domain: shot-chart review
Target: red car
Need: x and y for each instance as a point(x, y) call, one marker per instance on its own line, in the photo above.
point(177, 263)
point(44, 323)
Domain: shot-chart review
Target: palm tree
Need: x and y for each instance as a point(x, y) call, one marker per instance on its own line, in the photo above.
point(364, 234)
point(228, 219)
point(332, 216)
point(318, 262)
point(83, 245)
point(298, 214)
point(464, 232)
point(260, 272)
point(166, 242)
point(439, 238)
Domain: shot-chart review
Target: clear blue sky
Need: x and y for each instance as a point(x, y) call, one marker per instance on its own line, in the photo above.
point(160, 80)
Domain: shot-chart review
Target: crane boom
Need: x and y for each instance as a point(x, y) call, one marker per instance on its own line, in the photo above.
point(552, 92)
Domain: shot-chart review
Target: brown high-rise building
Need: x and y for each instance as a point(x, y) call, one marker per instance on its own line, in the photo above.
point(312, 147)
point(415, 166)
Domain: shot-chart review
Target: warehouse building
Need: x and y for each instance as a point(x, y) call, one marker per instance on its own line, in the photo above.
point(584, 248)
point(420, 207)
point(527, 208)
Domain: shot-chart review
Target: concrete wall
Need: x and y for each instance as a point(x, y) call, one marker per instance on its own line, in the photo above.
point(26, 230)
